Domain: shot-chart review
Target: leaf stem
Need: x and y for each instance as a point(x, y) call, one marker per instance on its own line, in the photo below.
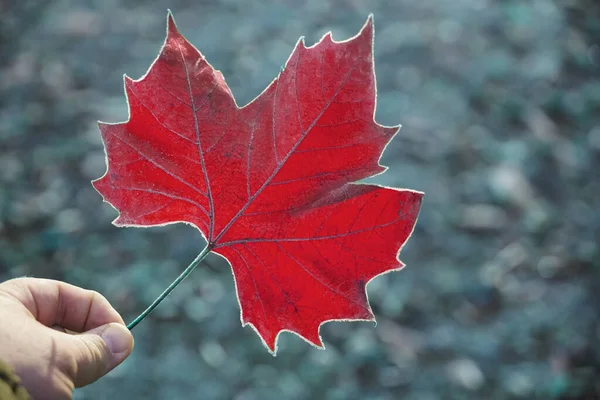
point(172, 286)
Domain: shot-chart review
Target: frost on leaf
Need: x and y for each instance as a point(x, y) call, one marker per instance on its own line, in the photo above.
point(271, 185)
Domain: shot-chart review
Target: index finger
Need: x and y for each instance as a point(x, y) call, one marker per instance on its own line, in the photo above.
point(53, 302)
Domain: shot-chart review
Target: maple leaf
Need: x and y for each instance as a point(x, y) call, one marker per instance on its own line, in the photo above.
point(271, 185)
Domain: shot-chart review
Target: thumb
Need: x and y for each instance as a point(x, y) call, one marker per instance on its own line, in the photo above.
point(98, 351)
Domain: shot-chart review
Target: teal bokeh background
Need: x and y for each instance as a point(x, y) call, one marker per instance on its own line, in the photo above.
point(500, 107)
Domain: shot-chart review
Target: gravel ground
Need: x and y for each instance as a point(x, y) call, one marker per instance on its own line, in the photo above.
point(500, 107)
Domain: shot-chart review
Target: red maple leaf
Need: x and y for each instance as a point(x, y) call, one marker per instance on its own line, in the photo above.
point(271, 185)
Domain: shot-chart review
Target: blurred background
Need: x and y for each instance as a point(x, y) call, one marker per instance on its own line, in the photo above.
point(500, 107)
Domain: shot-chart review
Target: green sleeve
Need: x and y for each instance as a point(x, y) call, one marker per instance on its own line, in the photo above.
point(10, 385)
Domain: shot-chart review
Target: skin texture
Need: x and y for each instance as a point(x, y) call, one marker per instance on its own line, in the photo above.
point(58, 337)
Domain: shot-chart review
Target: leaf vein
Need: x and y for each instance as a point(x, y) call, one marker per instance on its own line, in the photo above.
point(308, 239)
point(161, 193)
point(157, 165)
point(319, 280)
point(199, 144)
point(158, 120)
point(253, 281)
point(287, 156)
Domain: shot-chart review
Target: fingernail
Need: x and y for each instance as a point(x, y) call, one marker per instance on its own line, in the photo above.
point(117, 338)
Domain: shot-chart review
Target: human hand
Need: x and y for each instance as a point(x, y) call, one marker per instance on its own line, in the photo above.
point(35, 315)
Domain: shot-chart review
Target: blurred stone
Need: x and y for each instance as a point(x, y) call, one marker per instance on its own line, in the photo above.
point(325, 358)
point(291, 386)
point(69, 221)
point(541, 125)
point(197, 310)
point(403, 343)
point(57, 76)
point(94, 165)
point(11, 167)
point(485, 299)
point(81, 22)
point(537, 218)
point(594, 138)
point(213, 354)
point(49, 201)
point(519, 384)
point(212, 290)
point(362, 343)
point(264, 374)
point(409, 78)
point(513, 255)
point(481, 217)
point(393, 376)
point(466, 373)
point(549, 266)
point(508, 183)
